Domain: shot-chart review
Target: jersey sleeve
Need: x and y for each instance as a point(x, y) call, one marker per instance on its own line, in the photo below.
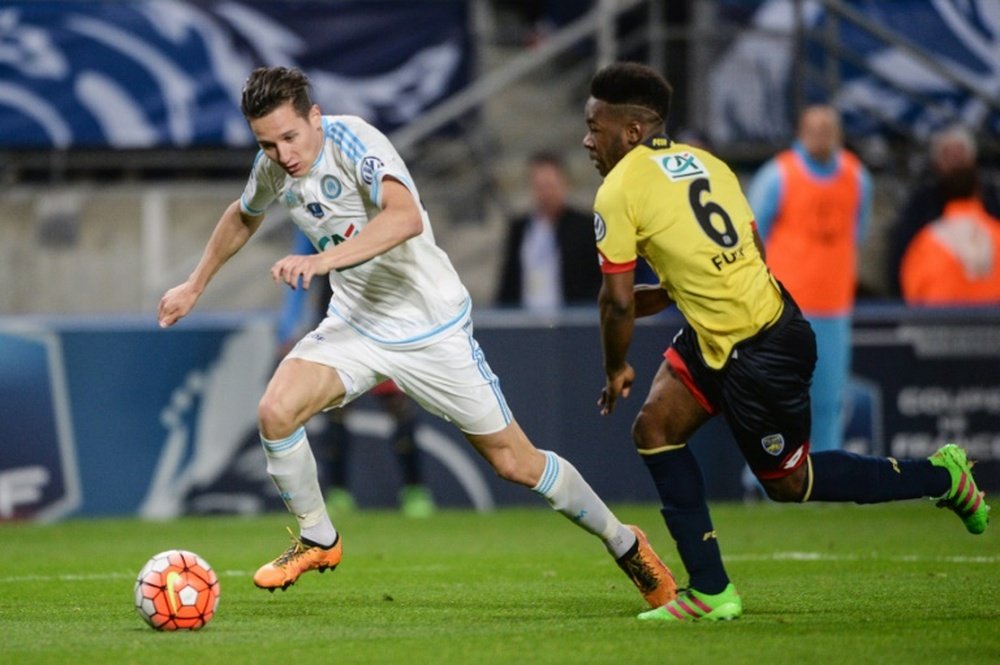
point(614, 230)
point(260, 190)
point(377, 159)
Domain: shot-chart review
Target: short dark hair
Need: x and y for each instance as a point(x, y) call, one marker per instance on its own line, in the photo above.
point(267, 88)
point(635, 84)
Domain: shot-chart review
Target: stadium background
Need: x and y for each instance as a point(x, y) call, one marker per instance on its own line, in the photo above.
point(121, 140)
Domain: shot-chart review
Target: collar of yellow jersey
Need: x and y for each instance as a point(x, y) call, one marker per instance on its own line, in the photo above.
point(658, 142)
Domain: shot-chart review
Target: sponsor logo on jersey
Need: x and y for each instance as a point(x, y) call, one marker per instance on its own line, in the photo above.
point(370, 165)
point(600, 228)
point(331, 187)
point(315, 209)
point(337, 238)
point(773, 444)
point(681, 166)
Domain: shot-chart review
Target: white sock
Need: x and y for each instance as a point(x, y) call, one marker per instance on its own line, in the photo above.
point(566, 491)
point(292, 467)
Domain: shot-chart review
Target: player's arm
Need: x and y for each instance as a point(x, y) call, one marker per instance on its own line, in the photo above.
point(232, 231)
point(398, 221)
point(616, 302)
point(650, 299)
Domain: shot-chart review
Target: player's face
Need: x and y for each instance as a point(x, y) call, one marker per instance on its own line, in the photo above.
point(819, 132)
point(548, 188)
point(605, 139)
point(288, 139)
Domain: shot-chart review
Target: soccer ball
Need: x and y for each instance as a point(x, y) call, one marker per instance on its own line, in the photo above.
point(176, 590)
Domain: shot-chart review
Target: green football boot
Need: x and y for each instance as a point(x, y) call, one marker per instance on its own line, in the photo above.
point(964, 497)
point(691, 605)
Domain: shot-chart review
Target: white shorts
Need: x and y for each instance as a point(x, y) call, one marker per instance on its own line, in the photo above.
point(450, 377)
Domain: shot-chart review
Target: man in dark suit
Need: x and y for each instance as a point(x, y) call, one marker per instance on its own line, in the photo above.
point(550, 259)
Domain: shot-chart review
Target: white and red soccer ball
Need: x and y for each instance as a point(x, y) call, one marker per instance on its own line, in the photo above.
point(176, 590)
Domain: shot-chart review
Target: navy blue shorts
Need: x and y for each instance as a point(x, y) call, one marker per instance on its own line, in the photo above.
point(762, 391)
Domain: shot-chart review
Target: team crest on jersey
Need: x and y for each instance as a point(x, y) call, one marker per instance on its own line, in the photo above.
point(370, 165)
point(681, 166)
point(331, 187)
point(600, 229)
point(773, 444)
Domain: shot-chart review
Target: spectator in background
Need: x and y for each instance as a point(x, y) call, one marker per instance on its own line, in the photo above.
point(812, 203)
point(954, 259)
point(549, 257)
point(335, 442)
point(952, 150)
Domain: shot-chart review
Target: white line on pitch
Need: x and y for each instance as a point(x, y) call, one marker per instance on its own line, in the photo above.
point(773, 556)
point(89, 577)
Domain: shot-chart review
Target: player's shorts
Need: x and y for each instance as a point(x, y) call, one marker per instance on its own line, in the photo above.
point(762, 391)
point(450, 377)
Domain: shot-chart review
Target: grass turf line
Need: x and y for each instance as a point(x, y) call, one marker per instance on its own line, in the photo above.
point(874, 584)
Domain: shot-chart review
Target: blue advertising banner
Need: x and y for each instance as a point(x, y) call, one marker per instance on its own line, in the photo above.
point(168, 73)
point(122, 418)
point(38, 472)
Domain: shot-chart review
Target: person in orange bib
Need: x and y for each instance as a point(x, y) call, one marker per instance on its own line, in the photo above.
point(812, 204)
point(954, 260)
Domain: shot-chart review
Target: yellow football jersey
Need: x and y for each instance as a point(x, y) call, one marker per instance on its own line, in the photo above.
point(682, 210)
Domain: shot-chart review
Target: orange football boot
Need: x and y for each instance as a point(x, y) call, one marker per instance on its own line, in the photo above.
point(299, 558)
point(648, 573)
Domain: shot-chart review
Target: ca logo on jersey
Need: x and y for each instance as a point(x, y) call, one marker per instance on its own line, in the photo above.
point(681, 166)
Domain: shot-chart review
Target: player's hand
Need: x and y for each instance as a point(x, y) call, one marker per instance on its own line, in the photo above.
point(294, 267)
point(619, 384)
point(176, 304)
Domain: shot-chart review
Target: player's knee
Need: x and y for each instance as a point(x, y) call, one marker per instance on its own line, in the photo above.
point(275, 419)
point(786, 490)
point(650, 434)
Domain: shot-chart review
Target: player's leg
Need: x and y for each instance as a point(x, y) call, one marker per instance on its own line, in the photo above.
point(515, 458)
point(452, 379)
point(415, 498)
point(840, 476)
point(775, 442)
point(298, 390)
point(669, 417)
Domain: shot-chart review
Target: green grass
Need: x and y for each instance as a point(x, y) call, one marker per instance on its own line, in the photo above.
point(821, 584)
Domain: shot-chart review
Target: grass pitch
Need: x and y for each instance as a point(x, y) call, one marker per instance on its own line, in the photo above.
point(821, 584)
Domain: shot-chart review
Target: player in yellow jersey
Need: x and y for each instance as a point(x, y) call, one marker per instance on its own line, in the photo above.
point(745, 352)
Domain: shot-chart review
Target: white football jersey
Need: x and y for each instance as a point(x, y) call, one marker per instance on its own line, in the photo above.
point(405, 298)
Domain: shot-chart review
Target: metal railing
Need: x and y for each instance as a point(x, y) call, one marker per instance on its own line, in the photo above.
point(598, 23)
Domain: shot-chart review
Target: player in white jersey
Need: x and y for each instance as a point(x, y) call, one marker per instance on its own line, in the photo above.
point(398, 311)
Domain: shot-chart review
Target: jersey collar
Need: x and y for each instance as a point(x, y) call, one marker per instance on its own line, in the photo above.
point(658, 142)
